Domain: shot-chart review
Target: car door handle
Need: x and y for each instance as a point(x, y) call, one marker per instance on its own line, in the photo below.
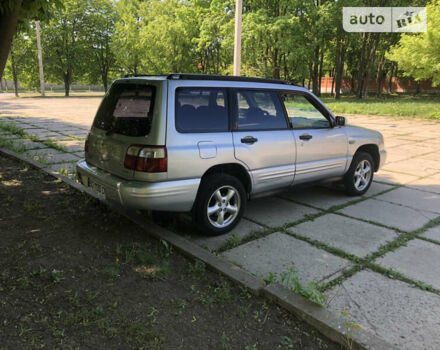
point(249, 140)
point(306, 137)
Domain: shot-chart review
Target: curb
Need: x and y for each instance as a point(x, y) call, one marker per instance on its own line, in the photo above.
point(327, 323)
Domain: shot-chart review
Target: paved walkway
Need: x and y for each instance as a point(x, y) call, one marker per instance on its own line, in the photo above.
point(375, 258)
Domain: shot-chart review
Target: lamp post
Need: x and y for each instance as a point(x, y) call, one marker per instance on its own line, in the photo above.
point(237, 37)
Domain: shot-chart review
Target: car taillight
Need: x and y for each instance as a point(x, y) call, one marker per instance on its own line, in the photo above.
point(86, 144)
point(146, 159)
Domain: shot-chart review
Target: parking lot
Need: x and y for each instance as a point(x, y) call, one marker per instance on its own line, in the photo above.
point(375, 258)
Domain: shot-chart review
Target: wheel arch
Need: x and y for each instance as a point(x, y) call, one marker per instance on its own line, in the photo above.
point(233, 169)
point(373, 150)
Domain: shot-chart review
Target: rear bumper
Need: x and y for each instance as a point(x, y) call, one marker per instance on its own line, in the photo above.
point(176, 195)
point(383, 159)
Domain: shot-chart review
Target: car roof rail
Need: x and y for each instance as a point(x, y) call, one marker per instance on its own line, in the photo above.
point(194, 76)
point(190, 76)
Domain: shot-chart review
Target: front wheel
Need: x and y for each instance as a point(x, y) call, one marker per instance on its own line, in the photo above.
point(360, 175)
point(220, 204)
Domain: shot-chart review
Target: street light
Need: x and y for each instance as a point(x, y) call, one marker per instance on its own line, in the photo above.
point(237, 37)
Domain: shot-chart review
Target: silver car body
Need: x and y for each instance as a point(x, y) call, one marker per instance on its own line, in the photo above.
point(280, 159)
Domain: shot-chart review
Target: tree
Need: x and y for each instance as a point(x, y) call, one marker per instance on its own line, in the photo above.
point(126, 43)
point(66, 48)
point(22, 65)
point(11, 12)
point(418, 55)
point(99, 31)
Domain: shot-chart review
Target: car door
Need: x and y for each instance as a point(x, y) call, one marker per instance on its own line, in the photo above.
point(262, 139)
point(321, 147)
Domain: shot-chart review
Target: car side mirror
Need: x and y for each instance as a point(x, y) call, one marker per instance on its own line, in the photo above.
point(340, 121)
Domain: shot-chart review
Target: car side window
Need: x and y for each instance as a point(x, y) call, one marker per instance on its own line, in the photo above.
point(259, 110)
point(201, 110)
point(303, 114)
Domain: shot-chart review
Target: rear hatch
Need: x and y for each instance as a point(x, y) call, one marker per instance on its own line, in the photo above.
point(129, 114)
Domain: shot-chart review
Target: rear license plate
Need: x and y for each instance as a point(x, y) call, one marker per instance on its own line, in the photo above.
point(97, 188)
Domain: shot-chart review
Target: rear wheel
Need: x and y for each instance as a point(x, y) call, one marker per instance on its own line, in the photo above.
point(358, 179)
point(220, 204)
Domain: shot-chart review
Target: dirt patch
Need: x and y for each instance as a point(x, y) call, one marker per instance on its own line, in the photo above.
point(74, 274)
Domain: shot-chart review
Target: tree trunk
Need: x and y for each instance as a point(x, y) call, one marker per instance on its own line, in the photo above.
point(67, 77)
point(8, 25)
point(321, 62)
point(14, 73)
point(40, 57)
point(379, 76)
point(361, 72)
point(370, 65)
point(390, 84)
point(332, 92)
point(314, 73)
point(339, 72)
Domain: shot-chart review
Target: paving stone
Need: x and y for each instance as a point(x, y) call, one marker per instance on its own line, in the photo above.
point(27, 144)
point(319, 196)
point(413, 198)
point(80, 155)
point(351, 235)
point(69, 167)
point(38, 132)
point(418, 260)
point(377, 188)
point(389, 214)
point(9, 136)
point(274, 212)
point(433, 233)
point(414, 166)
point(394, 178)
point(242, 230)
point(72, 145)
point(429, 184)
point(26, 126)
point(393, 310)
point(49, 155)
point(279, 252)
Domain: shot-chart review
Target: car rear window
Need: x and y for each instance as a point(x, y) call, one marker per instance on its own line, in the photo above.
point(127, 109)
point(201, 110)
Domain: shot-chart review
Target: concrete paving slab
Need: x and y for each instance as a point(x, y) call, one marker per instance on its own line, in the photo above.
point(394, 178)
point(38, 132)
point(413, 198)
point(351, 235)
point(414, 166)
point(389, 214)
point(433, 233)
point(243, 229)
point(51, 156)
point(80, 155)
point(72, 145)
point(9, 136)
point(377, 188)
point(404, 316)
point(418, 260)
point(318, 196)
point(279, 252)
point(27, 144)
point(275, 212)
point(62, 168)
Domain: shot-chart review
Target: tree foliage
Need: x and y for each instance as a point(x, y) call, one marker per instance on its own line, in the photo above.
point(418, 55)
point(94, 41)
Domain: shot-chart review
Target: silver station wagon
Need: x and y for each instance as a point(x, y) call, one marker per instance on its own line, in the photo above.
point(207, 144)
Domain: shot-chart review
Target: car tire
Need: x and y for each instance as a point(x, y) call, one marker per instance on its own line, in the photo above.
point(218, 196)
point(359, 177)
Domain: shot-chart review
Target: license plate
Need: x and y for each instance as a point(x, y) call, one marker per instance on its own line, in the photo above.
point(97, 188)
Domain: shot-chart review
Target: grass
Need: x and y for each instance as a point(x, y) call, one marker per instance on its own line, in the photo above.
point(423, 106)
